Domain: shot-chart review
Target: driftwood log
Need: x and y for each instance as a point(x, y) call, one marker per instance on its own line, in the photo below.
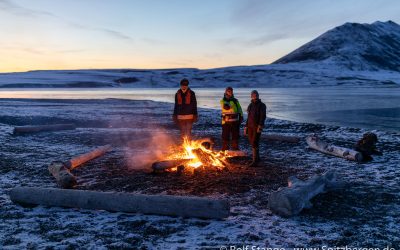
point(123, 202)
point(62, 170)
point(291, 200)
point(281, 138)
point(63, 175)
point(168, 164)
point(81, 159)
point(349, 154)
point(41, 128)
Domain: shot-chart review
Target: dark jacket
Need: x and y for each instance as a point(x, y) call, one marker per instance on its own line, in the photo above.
point(185, 108)
point(256, 114)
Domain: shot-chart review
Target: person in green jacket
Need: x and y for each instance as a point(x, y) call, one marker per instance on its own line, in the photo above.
point(232, 117)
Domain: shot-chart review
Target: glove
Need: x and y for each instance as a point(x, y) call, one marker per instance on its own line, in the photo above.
point(175, 119)
point(245, 131)
point(195, 118)
point(227, 106)
point(259, 129)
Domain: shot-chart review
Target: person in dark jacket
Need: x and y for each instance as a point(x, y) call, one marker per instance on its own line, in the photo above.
point(232, 117)
point(256, 115)
point(185, 110)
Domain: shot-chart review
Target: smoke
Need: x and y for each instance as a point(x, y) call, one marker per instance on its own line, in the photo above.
point(141, 152)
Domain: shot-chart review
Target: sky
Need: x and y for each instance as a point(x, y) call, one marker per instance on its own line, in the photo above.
point(87, 34)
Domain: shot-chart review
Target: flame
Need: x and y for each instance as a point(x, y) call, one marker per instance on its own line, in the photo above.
point(189, 145)
point(186, 152)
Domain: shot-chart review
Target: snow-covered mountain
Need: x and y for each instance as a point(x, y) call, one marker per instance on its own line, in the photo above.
point(351, 54)
point(353, 46)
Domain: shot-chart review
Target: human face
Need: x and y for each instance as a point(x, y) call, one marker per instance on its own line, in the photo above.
point(184, 88)
point(229, 93)
point(253, 96)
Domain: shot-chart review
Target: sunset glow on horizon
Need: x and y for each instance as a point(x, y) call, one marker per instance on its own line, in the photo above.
point(98, 34)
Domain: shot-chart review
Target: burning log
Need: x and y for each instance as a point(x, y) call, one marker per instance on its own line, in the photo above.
point(40, 128)
point(168, 164)
point(192, 153)
point(207, 143)
point(235, 153)
point(291, 200)
point(62, 170)
point(315, 143)
point(208, 159)
point(123, 202)
point(282, 138)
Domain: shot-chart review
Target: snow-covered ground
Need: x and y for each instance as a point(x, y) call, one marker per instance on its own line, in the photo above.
point(365, 214)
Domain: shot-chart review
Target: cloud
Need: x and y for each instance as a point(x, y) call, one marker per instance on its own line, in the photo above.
point(12, 7)
point(110, 32)
point(254, 41)
point(19, 48)
point(253, 13)
point(39, 51)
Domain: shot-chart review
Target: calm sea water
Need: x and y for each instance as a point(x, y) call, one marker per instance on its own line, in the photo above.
point(371, 108)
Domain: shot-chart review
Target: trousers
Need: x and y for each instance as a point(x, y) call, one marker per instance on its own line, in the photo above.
point(185, 127)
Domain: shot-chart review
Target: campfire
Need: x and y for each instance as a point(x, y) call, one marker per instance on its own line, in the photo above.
point(193, 155)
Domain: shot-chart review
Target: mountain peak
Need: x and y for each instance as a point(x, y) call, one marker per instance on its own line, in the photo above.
point(353, 46)
point(390, 22)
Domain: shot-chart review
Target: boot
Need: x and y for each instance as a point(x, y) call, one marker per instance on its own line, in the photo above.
point(235, 145)
point(225, 145)
point(256, 158)
point(258, 155)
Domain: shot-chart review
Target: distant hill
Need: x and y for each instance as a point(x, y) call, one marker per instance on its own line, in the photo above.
point(352, 54)
point(353, 46)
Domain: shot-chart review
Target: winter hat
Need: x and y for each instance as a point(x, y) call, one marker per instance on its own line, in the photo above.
point(185, 82)
point(255, 92)
point(229, 88)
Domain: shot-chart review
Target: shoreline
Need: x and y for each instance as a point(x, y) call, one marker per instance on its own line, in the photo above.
point(369, 205)
point(328, 116)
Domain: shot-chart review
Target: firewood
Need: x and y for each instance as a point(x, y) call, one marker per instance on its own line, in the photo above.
point(315, 143)
point(235, 153)
point(81, 159)
point(207, 143)
point(207, 159)
point(62, 170)
point(64, 177)
point(41, 128)
point(168, 164)
point(291, 200)
point(123, 202)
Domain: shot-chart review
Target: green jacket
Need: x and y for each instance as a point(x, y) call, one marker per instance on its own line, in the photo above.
point(231, 110)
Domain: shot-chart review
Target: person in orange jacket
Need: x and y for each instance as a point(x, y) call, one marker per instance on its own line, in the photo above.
point(185, 110)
